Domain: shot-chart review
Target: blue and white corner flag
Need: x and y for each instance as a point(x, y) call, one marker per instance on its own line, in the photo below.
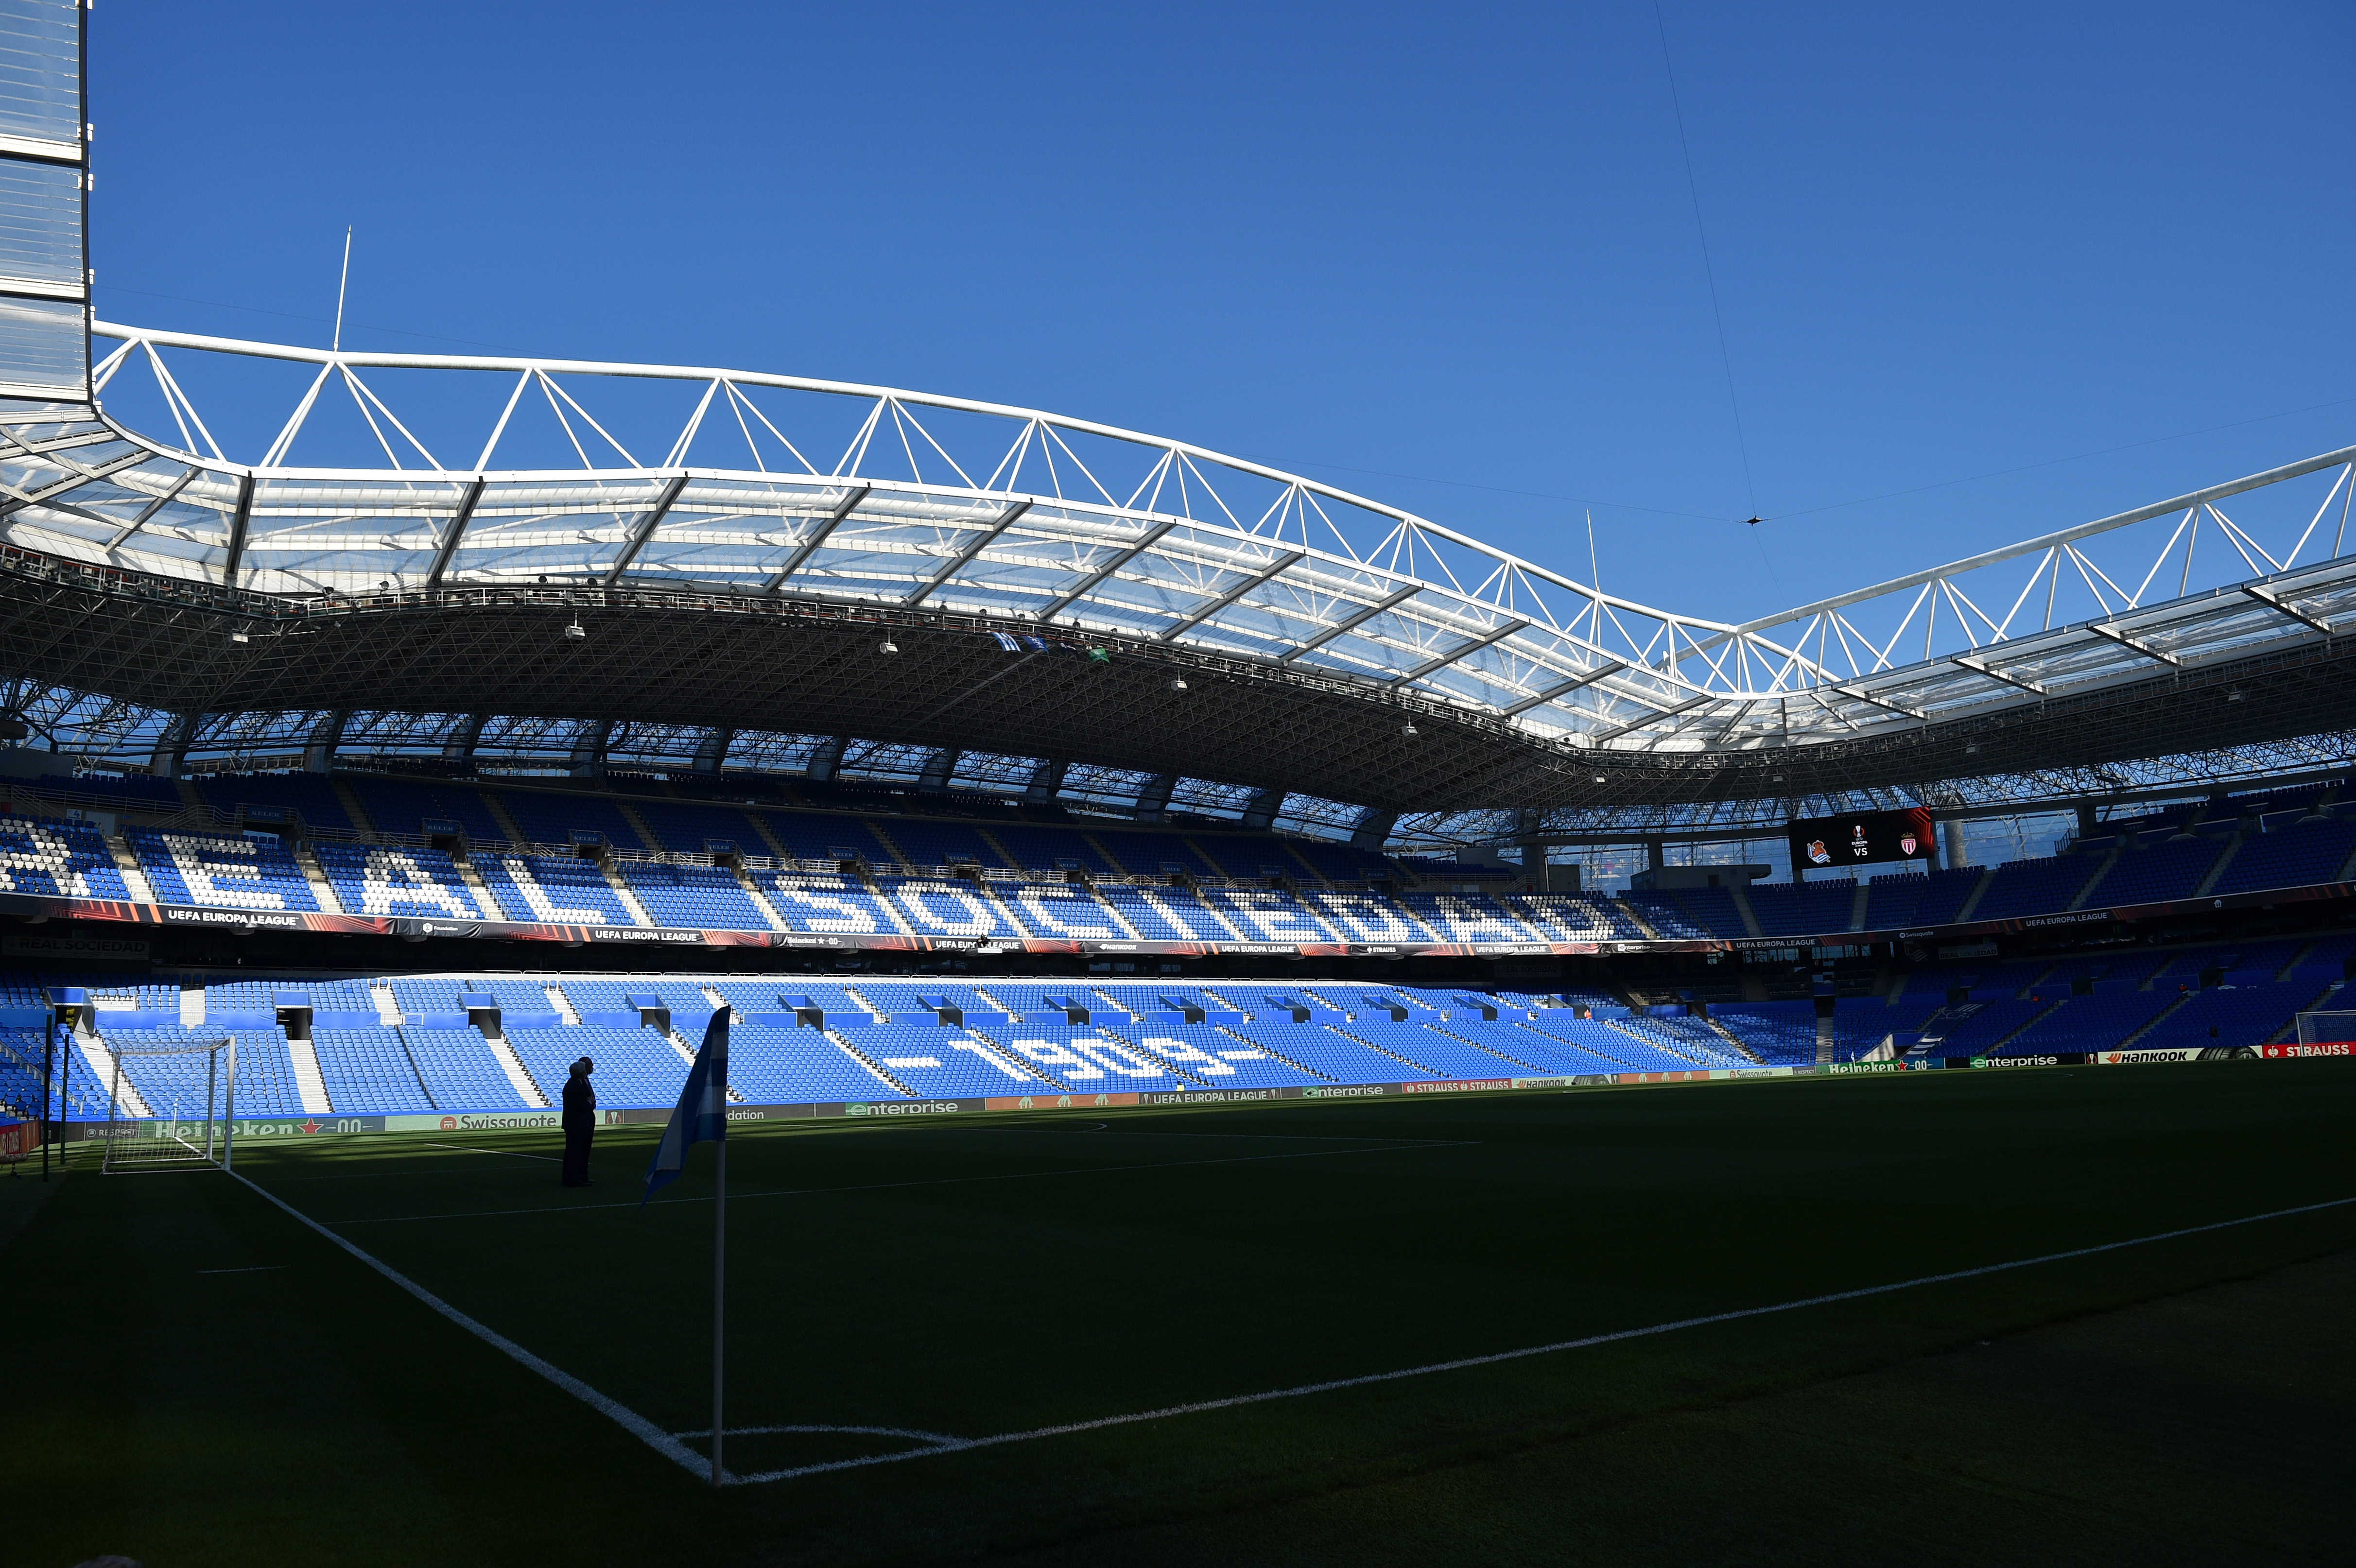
point(702, 1113)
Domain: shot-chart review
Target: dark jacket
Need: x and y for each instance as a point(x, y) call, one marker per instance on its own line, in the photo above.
point(580, 1103)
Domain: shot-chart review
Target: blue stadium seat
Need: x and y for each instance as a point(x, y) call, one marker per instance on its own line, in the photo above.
point(554, 889)
point(220, 872)
point(1060, 910)
point(686, 830)
point(1801, 909)
point(368, 1071)
point(1367, 917)
point(310, 796)
point(552, 817)
point(2041, 886)
point(1270, 914)
point(1469, 918)
point(707, 898)
point(397, 881)
point(60, 858)
point(940, 907)
point(405, 806)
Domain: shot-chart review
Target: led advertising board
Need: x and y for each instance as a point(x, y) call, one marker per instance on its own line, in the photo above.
point(1861, 839)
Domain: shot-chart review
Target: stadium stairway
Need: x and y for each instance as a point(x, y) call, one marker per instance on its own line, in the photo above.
point(512, 1066)
point(1972, 900)
point(2110, 859)
point(646, 839)
point(312, 873)
point(498, 810)
point(1733, 1042)
point(310, 1083)
point(760, 900)
point(870, 1063)
point(2225, 861)
point(127, 865)
point(477, 889)
point(100, 1068)
point(624, 895)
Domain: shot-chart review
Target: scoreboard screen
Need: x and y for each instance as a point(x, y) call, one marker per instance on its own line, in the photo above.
point(1861, 839)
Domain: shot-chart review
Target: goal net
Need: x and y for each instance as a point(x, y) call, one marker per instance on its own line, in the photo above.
point(2327, 1027)
point(169, 1105)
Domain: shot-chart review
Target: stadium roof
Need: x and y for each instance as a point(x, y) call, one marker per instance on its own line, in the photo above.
point(747, 578)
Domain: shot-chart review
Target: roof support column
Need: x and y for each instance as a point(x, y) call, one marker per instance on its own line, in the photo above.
point(238, 523)
point(460, 746)
point(319, 753)
point(1153, 798)
point(172, 745)
point(934, 779)
point(1374, 829)
point(713, 750)
point(826, 759)
point(1263, 808)
point(1046, 779)
point(1534, 869)
point(589, 749)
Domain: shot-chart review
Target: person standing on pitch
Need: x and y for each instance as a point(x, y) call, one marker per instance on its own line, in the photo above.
point(580, 1121)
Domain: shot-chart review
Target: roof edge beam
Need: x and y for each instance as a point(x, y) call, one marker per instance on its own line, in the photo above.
point(802, 551)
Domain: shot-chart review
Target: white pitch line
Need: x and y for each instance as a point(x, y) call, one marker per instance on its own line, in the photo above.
point(860, 1431)
point(511, 1154)
point(954, 1446)
point(929, 1181)
point(629, 1419)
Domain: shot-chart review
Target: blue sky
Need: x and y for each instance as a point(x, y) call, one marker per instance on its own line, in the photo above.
point(1982, 271)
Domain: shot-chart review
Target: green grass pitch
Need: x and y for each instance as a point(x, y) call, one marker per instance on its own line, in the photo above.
point(195, 1378)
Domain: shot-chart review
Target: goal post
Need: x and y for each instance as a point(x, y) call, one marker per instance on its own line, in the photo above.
point(170, 1106)
point(2334, 1028)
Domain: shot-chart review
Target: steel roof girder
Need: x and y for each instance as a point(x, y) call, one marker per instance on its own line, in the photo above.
point(1213, 606)
point(2126, 639)
point(1352, 622)
point(2275, 600)
point(981, 541)
point(1986, 667)
point(1442, 661)
point(803, 551)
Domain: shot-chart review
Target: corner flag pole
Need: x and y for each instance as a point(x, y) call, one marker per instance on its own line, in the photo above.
point(701, 1115)
point(719, 1292)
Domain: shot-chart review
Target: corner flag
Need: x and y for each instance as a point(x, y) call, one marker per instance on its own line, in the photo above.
point(702, 1113)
